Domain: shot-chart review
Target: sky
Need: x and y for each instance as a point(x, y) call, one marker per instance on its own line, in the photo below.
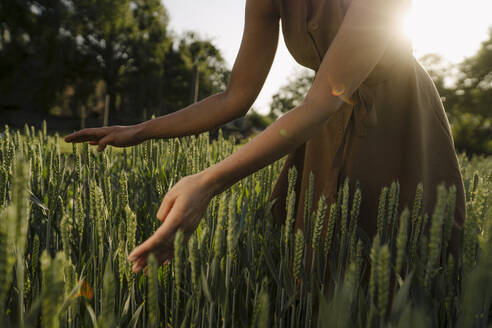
point(451, 28)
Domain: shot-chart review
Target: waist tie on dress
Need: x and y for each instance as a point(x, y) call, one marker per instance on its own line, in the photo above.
point(361, 116)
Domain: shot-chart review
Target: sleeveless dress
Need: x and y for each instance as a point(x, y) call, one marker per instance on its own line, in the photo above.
point(395, 127)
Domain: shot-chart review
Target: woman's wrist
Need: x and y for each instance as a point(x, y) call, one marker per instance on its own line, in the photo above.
point(142, 131)
point(213, 181)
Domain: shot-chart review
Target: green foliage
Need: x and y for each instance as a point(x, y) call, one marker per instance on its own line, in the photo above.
point(467, 94)
point(291, 94)
point(65, 57)
point(65, 235)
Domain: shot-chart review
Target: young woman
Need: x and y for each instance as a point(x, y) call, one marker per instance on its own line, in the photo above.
point(372, 114)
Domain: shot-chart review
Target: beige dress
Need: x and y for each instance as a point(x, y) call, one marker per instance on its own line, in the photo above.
point(395, 128)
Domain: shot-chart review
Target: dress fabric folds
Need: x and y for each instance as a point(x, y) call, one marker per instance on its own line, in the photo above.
point(393, 128)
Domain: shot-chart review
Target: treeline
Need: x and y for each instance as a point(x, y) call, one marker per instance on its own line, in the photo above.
point(466, 91)
point(78, 57)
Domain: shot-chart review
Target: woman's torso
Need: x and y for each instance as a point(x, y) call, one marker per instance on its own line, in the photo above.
point(397, 128)
point(310, 26)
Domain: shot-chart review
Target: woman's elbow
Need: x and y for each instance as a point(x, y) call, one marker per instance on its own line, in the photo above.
point(238, 102)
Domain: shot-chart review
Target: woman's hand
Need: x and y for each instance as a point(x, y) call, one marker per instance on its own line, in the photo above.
point(182, 207)
point(119, 136)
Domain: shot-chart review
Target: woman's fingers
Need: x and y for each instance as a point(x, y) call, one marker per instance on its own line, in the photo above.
point(160, 241)
point(91, 134)
point(139, 264)
point(108, 139)
point(165, 207)
point(141, 251)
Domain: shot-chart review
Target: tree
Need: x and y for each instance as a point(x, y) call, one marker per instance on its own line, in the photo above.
point(193, 69)
point(103, 28)
point(204, 59)
point(475, 84)
point(34, 49)
point(291, 94)
point(61, 57)
point(471, 102)
point(150, 42)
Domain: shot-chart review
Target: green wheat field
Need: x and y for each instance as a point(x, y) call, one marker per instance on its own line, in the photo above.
point(68, 221)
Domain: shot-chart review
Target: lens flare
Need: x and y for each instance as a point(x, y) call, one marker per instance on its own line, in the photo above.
point(338, 91)
point(85, 291)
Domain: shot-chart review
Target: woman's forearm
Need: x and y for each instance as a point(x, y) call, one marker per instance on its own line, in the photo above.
point(359, 45)
point(280, 138)
point(196, 118)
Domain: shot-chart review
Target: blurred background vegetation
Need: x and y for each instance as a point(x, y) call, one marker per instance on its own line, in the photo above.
point(73, 58)
point(88, 63)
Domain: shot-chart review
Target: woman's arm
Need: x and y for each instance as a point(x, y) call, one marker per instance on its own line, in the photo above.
point(357, 48)
point(253, 62)
point(359, 44)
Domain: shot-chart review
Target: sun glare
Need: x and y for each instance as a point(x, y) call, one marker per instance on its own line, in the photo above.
point(408, 24)
point(453, 28)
